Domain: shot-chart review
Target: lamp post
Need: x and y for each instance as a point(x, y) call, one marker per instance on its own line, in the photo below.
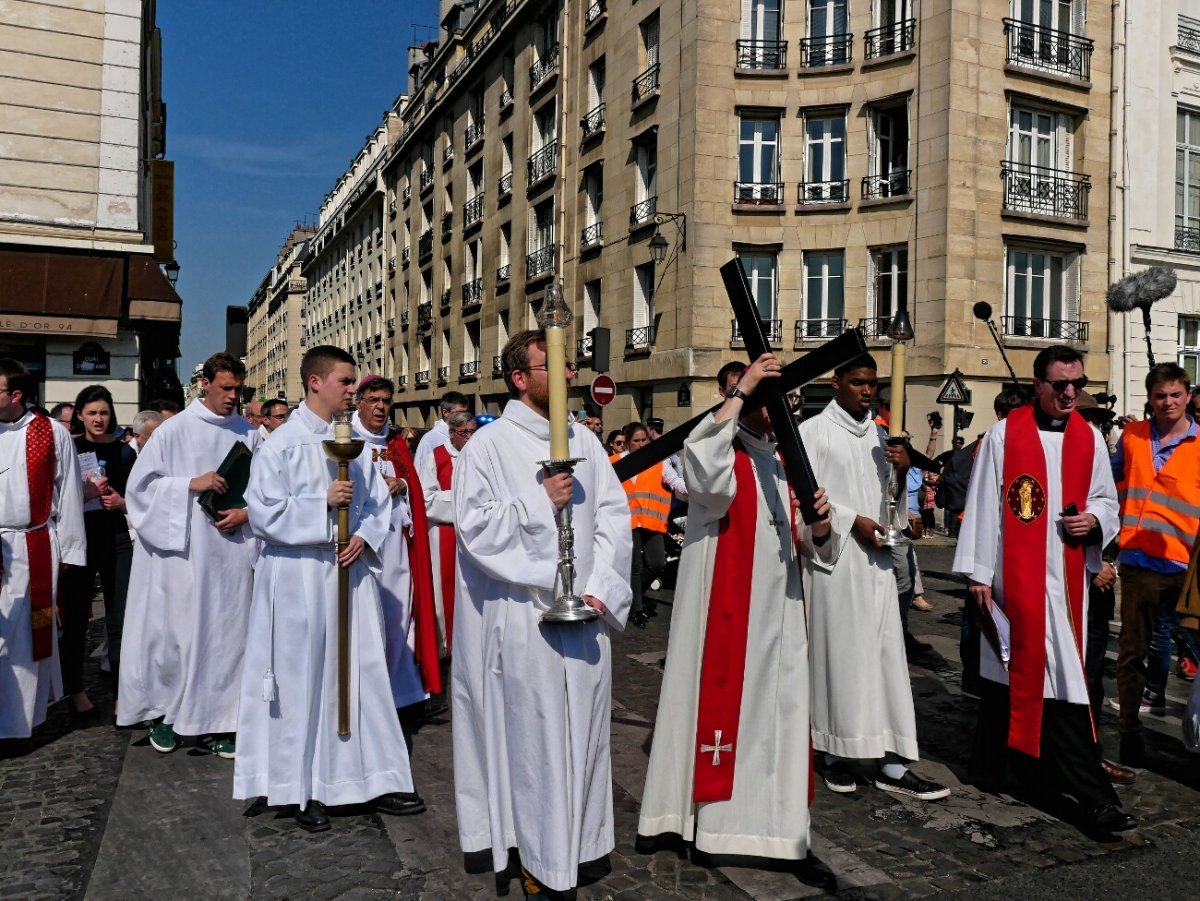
point(659, 245)
point(171, 270)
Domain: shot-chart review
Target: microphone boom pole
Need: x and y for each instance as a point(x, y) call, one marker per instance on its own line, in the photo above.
point(983, 312)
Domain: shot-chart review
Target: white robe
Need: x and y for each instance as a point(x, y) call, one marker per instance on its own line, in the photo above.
point(289, 750)
point(438, 435)
point(189, 586)
point(531, 701)
point(395, 582)
point(439, 507)
point(862, 703)
point(980, 556)
point(767, 816)
point(27, 687)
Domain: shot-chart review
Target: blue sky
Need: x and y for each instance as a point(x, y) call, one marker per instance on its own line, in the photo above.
point(267, 104)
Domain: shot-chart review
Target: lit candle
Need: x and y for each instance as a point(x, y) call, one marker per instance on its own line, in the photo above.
point(556, 377)
point(896, 422)
point(342, 431)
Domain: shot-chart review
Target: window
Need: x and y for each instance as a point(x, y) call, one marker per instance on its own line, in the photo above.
point(596, 84)
point(502, 330)
point(1189, 345)
point(471, 345)
point(473, 262)
point(1042, 295)
point(1187, 180)
point(888, 152)
point(544, 124)
point(825, 159)
point(541, 226)
point(824, 285)
point(646, 185)
point(444, 359)
point(829, 41)
point(648, 32)
point(505, 244)
point(643, 297)
point(761, 270)
point(593, 186)
point(426, 287)
point(888, 286)
point(892, 12)
point(1038, 174)
point(758, 161)
point(426, 356)
point(762, 45)
point(591, 305)
point(1055, 15)
point(1047, 35)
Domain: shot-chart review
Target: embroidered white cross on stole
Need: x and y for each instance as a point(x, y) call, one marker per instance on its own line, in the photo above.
point(716, 748)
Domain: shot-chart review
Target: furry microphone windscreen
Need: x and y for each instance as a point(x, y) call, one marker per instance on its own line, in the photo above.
point(1141, 289)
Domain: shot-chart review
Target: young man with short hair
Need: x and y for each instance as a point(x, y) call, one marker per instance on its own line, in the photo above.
point(274, 413)
point(452, 402)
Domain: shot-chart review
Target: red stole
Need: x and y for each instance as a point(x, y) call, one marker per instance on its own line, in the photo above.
point(1025, 521)
point(41, 463)
point(424, 618)
point(723, 666)
point(446, 541)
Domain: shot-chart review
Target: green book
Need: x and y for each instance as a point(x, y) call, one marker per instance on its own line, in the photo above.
point(235, 470)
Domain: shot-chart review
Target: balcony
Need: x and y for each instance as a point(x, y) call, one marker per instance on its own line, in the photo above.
point(447, 225)
point(473, 211)
point(425, 245)
point(818, 329)
point(543, 164)
point(645, 86)
point(640, 339)
point(592, 124)
point(378, 341)
point(1049, 329)
point(544, 69)
point(425, 314)
point(1035, 48)
point(540, 263)
point(497, 365)
point(407, 195)
point(404, 319)
point(448, 154)
point(880, 187)
point(762, 54)
point(468, 371)
point(506, 100)
point(874, 328)
point(426, 180)
point(642, 212)
point(391, 209)
point(831, 50)
point(818, 192)
point(446, 295)
point(443, 374)
point(402, 381)
point(1187, 238)
point(594, 14)
point(472, 295)
point(758, 193)
point(1189, 37)
point(506, 184)
point(422, 378)
point(504, 273)
point(887, 40)
point(1042, 191)
point(772, 327)
point(592, 236)
point(391, 327)
point(473, 136)
point(583, 349)
point(392, 266)
point(405, 255)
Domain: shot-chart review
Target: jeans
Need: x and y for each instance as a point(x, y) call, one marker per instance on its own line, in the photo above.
point(1148, 601)
point(110, 555)
point(647, 564)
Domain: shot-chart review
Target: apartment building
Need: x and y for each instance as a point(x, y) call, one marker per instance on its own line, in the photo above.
point(275, 328)
point(86, 201)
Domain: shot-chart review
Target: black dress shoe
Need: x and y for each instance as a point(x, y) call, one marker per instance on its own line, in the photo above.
point(313, 818)
point(1110, 818)
point(639, 619)
point(400, 804)
point(813, 871)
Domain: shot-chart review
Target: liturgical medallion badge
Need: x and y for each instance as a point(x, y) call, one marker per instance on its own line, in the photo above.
point(1026, 499)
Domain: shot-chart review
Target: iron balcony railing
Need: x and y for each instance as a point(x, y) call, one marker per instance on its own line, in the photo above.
point(447, 225)
point(1187, 238)
point(543, 68)
point(422, 378)
point(426, 180)
point(761, 193)
point(810, 329)
point(391, 265)
point(830, 50)
point(506, 184)
point(504, 273)
point(402, 381)
point(894, 184)
point(405, 254)
point(378, 341)
point(473, 210)
point(645, 85)
point(1044, 191)
point(391, 209)
point(1037, 327)
point(425, 244)
point(448, 154)
point(544, 163)
point(1189, 38)
point(1042, 49)
point(474, 134)
point(497, 365)
point(643, 211)
point(506, 98)
point(641, 338)
point(539, 263)
point(591, 236)
point(885, 40)
point(404, 319)
point(468, 370)
point(472, 294)
point(593, 123)
point(583, 348)
point(874, 327)
point(407, 195)
point(446, 295)
point(391, 326)
point(443, 374)
point(594, 13)
point(811, 192)
point(772, 327)
point(762, 54)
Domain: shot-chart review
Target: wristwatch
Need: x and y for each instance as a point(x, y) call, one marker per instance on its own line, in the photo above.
point(737, 392)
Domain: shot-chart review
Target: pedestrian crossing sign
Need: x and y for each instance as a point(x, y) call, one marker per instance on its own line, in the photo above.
point(954, 391)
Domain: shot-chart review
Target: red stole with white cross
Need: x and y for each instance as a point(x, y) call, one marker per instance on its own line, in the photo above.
point(723, 667)
point(1025, 521)
point(446, 542)
point(40, 464)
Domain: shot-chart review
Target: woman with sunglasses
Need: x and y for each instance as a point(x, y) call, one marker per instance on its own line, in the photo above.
point(615, 443)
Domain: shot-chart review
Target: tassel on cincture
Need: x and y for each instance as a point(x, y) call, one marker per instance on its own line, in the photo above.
point(269, 693)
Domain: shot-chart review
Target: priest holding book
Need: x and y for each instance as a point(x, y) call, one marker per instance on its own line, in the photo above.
point(189, 588)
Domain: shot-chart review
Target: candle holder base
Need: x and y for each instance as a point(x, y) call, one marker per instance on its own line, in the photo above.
point(568, 606)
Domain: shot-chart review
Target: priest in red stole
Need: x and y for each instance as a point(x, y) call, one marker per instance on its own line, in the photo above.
point(1041, 506)
point(730, 765)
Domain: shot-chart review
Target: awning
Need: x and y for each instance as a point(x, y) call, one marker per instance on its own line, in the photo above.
point(60, 284)
point(150, 295)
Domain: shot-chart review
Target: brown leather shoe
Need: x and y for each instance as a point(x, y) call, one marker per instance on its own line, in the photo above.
point(1117, 774)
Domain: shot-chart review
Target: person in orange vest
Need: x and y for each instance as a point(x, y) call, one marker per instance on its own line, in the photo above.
point(1155, 468)
point(649, 494)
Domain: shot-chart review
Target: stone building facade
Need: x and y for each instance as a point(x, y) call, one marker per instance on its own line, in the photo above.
point(275, 329)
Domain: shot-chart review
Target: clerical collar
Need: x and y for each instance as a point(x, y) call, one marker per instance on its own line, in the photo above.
point(1046, 423)
point(749, 431)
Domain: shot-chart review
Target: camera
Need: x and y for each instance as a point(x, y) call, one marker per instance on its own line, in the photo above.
point(935, 420)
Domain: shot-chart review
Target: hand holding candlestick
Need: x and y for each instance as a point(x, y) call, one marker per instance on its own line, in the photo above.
point(899, 331)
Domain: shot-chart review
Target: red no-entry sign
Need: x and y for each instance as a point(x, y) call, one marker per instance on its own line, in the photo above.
point(604, 389)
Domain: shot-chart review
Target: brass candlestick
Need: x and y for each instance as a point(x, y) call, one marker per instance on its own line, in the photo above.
point(568, 606)
point(342, 449)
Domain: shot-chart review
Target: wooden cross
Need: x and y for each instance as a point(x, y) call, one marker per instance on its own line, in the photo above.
point(716, 748)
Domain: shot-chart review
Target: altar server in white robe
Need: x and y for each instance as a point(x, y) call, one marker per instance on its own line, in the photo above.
point(730, 762)
point(452, 402)
point(373, 398)
point(291, 752)
point(532, 700)
point(1041, 507)
point(41, 528)
point(189, 587)
point(860, 712)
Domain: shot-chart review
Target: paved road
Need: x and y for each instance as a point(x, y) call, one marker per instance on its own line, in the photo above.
point(96, 814)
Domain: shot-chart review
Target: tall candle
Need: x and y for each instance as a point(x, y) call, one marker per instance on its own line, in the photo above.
point(342, 430)
point(556, 378)
point(896, 422)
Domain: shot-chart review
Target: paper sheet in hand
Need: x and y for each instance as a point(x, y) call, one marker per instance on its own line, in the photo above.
point(996, 630)
point(89, 468)
point(235, 470)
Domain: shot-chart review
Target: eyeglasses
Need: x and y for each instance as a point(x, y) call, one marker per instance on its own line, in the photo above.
point(464, 433)
point(1060, 385)
point(570, 367)
point(276, 416)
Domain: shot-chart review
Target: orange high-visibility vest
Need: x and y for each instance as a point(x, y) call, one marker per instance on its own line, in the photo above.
point(1160, 511)
point(649, 499)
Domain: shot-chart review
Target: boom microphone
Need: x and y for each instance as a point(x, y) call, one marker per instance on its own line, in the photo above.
point(1140, 290)
point(983, 312)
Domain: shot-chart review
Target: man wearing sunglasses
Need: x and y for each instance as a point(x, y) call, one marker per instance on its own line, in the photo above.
point(1043, 483)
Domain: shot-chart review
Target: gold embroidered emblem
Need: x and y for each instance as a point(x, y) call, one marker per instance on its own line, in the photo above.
point(1026, 498)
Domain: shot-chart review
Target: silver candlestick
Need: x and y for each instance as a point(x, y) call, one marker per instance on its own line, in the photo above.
point(892, 537)
point(568, 606)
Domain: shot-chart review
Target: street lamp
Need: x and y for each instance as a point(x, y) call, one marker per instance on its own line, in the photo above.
point(172, 271)
point(659, 245)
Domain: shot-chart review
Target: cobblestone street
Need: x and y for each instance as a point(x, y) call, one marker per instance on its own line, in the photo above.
point(95, 813)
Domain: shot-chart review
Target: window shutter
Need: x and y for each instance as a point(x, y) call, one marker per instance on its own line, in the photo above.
point(873, 143)
point(873, 271)
point(640, 312)
point(1072, 287)
point(748, 20)
point(1066, 142)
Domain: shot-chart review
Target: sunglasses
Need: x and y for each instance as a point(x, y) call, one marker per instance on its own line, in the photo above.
point(619, 442)
point(1060, 385)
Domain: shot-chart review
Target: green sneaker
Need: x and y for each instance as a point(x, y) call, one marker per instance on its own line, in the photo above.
point(162, 738)
point(224, 748)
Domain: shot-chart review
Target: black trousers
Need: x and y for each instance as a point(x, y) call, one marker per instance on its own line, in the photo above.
point(1070, 757)
point(109, 555)
point(647, 564)
point(1102, 602)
